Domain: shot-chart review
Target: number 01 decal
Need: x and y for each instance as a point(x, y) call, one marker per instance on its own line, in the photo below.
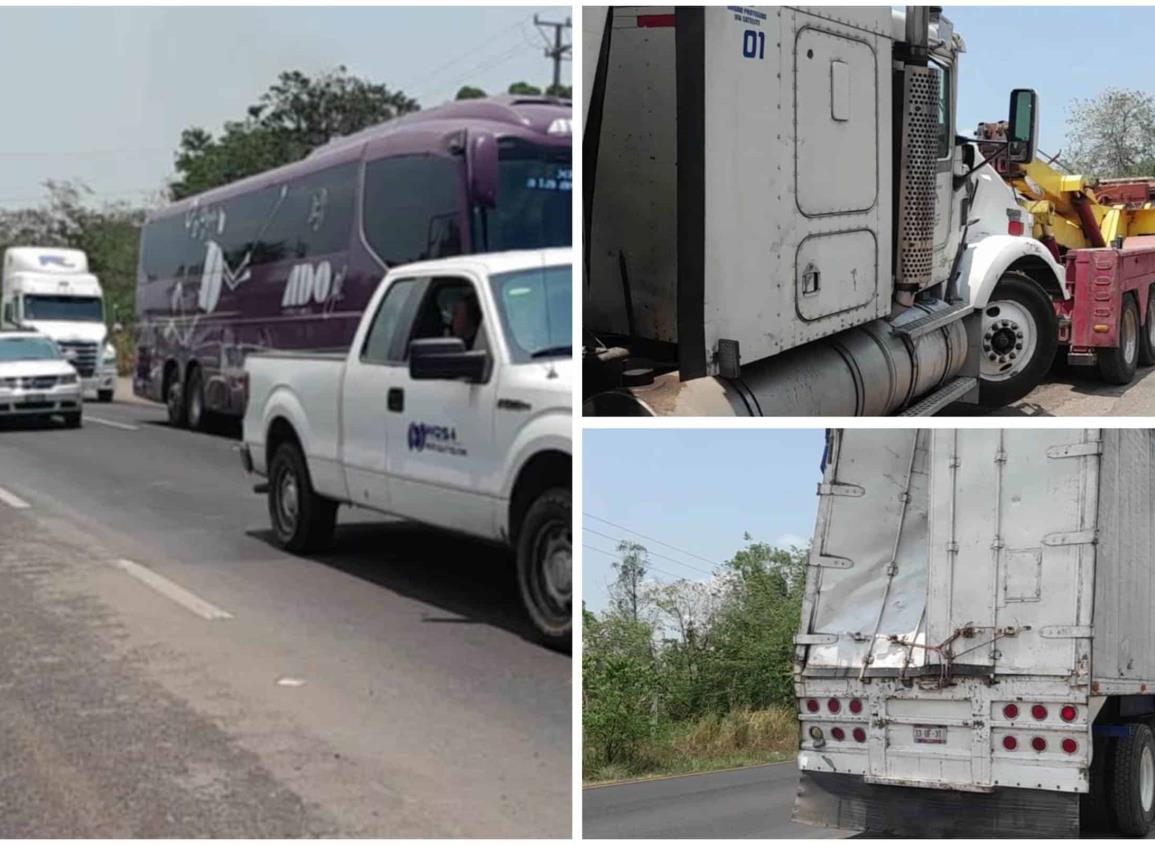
point(754, 44)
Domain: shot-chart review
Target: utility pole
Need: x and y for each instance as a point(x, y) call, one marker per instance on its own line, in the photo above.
point(555, 50)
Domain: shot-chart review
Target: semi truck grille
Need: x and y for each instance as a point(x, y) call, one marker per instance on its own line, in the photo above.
point(82, 355)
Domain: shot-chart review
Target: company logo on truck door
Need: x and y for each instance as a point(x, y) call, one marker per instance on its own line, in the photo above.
point(312, 283)
point(434, 438)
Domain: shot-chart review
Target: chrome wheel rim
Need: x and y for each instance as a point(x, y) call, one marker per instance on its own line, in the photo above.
point(1130, 337)
point(1009, 340)
point(553, 559)
point(1147, 779)
point(288, 502)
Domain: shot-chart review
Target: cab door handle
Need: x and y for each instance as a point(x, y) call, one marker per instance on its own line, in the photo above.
point(396, 399)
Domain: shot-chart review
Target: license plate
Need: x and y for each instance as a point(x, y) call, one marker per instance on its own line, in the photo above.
point(34, 398)
point(932, 734)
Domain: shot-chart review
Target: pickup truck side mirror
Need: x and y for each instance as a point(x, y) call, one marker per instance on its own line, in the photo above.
point(447, 358)
point(1023, 126)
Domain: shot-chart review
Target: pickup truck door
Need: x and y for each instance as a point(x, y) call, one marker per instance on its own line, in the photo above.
point(374, 377)
point(443, 454)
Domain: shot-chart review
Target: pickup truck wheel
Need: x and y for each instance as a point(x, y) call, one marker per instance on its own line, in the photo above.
point(545, 563)
point(1117, 365)
point(1133, 781)
point(303, 521)
point(1147, 335)
point(1020, 334)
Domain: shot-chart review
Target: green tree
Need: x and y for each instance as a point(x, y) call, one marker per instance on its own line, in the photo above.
point(563, 91)
point(469, 92)
point(626, 592)
point(1112, 135)
point(297, 114)
point(524, 89)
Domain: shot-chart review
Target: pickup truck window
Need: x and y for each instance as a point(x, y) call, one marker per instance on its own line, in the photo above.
point(380, 344)
point(536, 312)
point(450, 309)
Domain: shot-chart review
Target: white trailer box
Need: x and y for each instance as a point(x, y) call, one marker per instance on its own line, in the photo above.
point(977, 647)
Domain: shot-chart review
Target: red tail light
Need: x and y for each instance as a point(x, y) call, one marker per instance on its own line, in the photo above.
point(812, 705)
point(833, 706)
point(1070, 746)
point(1039, 744)
point(1068, 713)
point(855, 705)
point(859, 735)
point(1039, 712)
point(1010, 743)
point(1015, 227)
point(649, 21)
point(1011, 711)
point(838, 734)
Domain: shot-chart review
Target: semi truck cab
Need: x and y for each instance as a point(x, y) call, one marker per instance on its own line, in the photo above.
point(52, 291)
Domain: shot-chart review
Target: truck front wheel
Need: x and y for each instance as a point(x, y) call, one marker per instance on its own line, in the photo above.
point(545, 563)
point(1133, 781)
point(1020, 334)
point(1117, 365)
point(303, 520)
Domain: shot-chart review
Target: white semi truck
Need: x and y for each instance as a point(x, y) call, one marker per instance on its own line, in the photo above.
point(782, 218)
point(976, 654)
point(52, 291)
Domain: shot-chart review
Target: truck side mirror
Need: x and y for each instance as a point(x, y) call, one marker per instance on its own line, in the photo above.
point(447, 358)
point(481, 159)
point(1023, 126)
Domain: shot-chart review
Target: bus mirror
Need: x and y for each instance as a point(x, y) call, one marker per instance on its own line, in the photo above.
point(1023, 126)
point(483, 169)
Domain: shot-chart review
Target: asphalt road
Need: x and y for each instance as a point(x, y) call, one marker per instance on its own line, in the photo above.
point(1078, 391)
point(748, 803)
point(166, 671)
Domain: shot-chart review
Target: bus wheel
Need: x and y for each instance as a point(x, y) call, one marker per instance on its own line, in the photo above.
point(1133, 781)
point(1147, 335)
point(177, 410)
point(1020, 334)
point(195, 393)
point(545, 564)
point(1117, 365)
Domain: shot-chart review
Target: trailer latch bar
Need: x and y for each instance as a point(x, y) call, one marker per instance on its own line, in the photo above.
point(831, 561)
point(841, 490)
point(1070, 538)
point(1076, 450)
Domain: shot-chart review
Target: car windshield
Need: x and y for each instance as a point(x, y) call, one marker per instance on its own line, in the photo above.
point(84, 309)
point(534, 208)
point(536, 312)
point(28, 349)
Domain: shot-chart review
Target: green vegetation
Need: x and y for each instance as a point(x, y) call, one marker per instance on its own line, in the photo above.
point(692, 675)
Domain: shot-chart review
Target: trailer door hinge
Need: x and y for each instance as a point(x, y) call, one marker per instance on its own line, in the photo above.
point(815, 639)
point(841, 490)
point(1076, 450)
point(1070, 538)
point(831, 561)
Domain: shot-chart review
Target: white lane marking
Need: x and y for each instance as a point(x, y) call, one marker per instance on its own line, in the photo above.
point(290, 682)
point(112, 423)
point(12, 500)
point(171, 590)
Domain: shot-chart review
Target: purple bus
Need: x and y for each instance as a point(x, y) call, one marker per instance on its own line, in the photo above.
point(288, 259)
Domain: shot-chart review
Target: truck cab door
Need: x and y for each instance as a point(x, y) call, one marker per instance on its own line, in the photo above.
point(442, 440)
point(375, 373)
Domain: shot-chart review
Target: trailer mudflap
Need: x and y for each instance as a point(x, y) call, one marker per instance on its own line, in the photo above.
point(828, 799)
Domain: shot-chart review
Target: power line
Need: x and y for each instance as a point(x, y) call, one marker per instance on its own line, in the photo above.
point(614, 555)
point(655, 554)
point(484, 43)
point(651, 539)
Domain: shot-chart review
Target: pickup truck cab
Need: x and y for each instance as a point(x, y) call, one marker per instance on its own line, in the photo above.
point(452, 407)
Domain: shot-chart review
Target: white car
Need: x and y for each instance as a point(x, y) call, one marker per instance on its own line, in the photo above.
point(452, 407)
point(36, 380)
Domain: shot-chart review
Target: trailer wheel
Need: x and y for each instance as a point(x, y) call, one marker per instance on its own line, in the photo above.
point(545, 564)
point(1020, 334)
point(303, 520)
point(1095, 805)
point(1133, 781)
point(1117, 365)
point(1147, 335)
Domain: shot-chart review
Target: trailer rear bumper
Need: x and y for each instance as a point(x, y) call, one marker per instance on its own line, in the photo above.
point(848, 802)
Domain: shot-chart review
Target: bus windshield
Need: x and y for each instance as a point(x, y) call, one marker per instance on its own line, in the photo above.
point(533, 198)
point(536, 312)
point(83, 309)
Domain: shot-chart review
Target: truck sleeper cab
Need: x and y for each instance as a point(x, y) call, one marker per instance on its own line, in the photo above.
point(451, 408)
point(973, 656)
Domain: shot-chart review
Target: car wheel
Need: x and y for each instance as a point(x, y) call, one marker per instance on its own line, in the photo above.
point(1020, 334)
point(104, 396)
point(1117, 365)
point(73, 420)
point(303, 520)
point(1133, 781)
point(545, 564)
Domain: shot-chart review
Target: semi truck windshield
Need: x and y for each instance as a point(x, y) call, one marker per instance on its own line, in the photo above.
point(71, 308)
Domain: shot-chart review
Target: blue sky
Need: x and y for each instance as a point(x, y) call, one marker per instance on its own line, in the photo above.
point(102, 94)
point(1063, 52)
point(698, 490)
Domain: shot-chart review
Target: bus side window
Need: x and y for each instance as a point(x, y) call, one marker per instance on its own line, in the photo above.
point(412, 207)
point(314, 218)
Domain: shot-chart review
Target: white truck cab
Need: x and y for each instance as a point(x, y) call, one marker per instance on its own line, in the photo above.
point(452, 407)
point(51, 291)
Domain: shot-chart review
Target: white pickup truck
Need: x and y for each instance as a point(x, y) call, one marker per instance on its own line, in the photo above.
point(452, 407)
